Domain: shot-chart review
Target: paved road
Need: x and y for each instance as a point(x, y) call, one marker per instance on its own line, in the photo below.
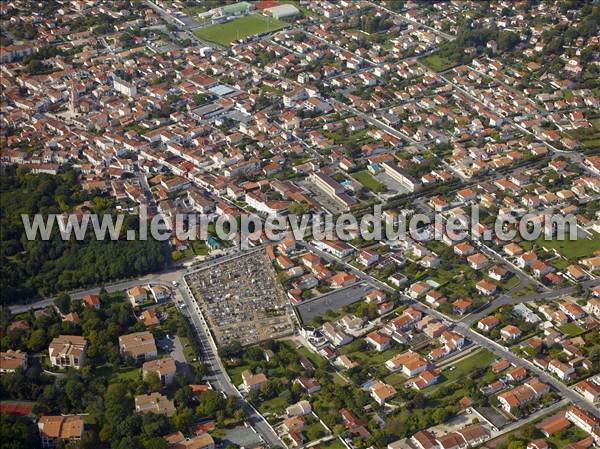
point(463, 328)
point(513, 300)
point(164, 278)
point(501, 351)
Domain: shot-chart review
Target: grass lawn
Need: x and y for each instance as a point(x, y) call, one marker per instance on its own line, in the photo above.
point(245, 26)
point(314, 431)
point(365, 178)
point(346, 138)
point(316, 359)
point(371, 358)
point(572, 249)
point(339, 380)
point(276, 405)
point(199, 248)
point(438, 63)
point(236, 373)
point(333, 444)
point(571, 329)
point(269, 89)
point(462, 368)
point(591, 143)
point(395, 379)
point(194, 10)
point(125, 374)
point(188, 350)
point(511, 282)
point(528, 290)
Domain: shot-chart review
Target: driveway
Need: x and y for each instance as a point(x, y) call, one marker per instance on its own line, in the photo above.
point(175, 348)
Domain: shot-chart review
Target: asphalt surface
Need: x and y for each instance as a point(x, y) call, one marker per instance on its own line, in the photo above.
point(513, 300)
point(164, 279)
point(335, 300)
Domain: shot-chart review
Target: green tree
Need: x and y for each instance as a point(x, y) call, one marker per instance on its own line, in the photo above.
point(63, 302)
point(117, 403)
point(298, 208)
point(37, 340)
point(209, 403)
point(153, 381)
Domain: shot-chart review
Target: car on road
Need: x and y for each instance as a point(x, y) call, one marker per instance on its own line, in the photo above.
point(175, 283)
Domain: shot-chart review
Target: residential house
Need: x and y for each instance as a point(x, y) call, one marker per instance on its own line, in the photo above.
point(510, 332)
point(589, 389)
point(382, 392)
point(523, 394)
point(486, 288)
point(10, 361)
point(300, 408)
point(488, 323)
point(562, 370)
point(308, 384)
point(179, 441)
point(91, 301)
point(378, 340)
point(252, 381)
point(137, 295)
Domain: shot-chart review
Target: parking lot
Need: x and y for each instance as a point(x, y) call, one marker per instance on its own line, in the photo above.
point(334, 300)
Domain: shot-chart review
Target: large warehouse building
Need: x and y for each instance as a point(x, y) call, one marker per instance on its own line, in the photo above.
point(283, 11)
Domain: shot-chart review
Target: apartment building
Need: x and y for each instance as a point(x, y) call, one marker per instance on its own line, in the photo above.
point(333, 189)
point(154, 403)
point(55, 429)
point(402, 176)
point(67, 351)
point(139, 345)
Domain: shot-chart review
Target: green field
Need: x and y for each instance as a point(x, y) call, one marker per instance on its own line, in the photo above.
point(438, 63)
point(245, 26)
point(572, 249)
point(365, 178)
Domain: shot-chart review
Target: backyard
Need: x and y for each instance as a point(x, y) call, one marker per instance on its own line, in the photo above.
point(571, 329)
point(480, 359)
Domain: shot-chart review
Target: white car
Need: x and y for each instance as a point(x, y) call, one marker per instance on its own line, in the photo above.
point(175, 283)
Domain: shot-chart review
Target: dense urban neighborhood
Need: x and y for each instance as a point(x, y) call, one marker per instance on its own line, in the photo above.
point(136, 110)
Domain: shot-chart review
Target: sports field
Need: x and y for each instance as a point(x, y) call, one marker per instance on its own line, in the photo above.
point(239, 28)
